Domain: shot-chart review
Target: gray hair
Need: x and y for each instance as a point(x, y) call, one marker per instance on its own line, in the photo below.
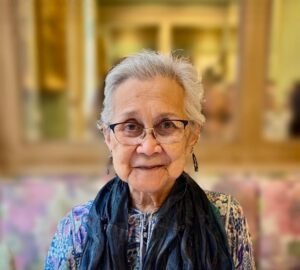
point(148, 64)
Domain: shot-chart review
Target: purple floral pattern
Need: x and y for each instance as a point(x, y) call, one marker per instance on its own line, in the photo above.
point(280, 239)
point(30, 208)
point(66, 246)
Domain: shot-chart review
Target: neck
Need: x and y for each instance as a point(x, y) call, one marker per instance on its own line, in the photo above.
point(147, 202)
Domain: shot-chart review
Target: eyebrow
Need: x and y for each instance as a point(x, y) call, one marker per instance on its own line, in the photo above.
point(135, 114)
point(167, 115)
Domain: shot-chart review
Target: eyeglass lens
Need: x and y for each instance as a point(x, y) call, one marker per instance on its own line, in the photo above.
point(167, 131)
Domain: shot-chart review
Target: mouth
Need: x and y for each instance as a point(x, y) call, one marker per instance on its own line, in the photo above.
point(149, 167)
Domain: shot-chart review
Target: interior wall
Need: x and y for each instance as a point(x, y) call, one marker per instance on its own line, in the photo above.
point(285, 43)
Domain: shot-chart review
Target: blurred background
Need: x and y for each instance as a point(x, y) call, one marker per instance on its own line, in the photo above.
point(54, 55)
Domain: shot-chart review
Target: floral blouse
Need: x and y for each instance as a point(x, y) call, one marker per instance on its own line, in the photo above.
point(67, 245)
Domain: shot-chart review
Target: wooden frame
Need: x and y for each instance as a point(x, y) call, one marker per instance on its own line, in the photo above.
point(248, 151)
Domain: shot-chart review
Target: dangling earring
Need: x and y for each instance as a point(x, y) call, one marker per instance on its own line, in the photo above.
point(108, 164)
point(195, 162)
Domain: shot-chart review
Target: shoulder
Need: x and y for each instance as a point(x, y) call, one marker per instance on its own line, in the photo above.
point(227, 205)
point(75, 221)
point(236, 228)
point(69, 239)
point(224, 204)
point(221, 201)
point(78, 213)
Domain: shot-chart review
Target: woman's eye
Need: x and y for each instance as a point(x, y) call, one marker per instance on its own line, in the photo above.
point(131, 127)
point(167, 125)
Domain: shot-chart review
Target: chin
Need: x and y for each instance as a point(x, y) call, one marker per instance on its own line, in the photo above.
point(150, 182)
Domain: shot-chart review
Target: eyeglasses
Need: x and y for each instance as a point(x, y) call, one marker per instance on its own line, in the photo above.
point(165, 132)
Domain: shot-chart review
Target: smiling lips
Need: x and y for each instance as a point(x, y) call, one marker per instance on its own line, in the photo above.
point(148, 167)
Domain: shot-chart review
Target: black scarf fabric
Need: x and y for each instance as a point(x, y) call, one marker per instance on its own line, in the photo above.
point(188, 234)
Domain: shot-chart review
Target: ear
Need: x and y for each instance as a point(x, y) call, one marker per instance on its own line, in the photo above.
point(193, 135)
point(107, 137)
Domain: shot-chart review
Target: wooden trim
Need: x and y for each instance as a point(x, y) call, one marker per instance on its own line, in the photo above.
point(9, 101)
point(254, 41)
point(198, 16)
point(260, 154)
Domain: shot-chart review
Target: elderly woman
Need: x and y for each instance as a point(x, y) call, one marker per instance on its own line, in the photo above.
point(152, 215)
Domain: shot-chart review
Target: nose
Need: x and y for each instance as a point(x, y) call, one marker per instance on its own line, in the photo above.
point(149, 145)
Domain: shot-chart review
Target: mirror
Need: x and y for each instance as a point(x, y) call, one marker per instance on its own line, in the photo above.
point(282, 89)
point(67, 48)
point(213, 50)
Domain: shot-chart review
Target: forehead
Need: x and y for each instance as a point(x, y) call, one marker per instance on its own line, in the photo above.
point(156, 97)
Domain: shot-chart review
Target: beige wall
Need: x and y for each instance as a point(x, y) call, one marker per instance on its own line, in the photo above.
point(285, 43)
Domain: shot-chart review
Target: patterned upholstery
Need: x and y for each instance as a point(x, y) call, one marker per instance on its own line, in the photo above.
point(32, 206)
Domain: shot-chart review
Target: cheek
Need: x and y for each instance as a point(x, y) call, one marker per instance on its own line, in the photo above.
point(121, 161)
point(178, 157)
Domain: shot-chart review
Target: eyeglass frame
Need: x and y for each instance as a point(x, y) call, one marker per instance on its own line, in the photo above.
point(144, 133)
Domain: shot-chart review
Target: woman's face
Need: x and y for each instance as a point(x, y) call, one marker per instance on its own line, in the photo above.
point(149, 166)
